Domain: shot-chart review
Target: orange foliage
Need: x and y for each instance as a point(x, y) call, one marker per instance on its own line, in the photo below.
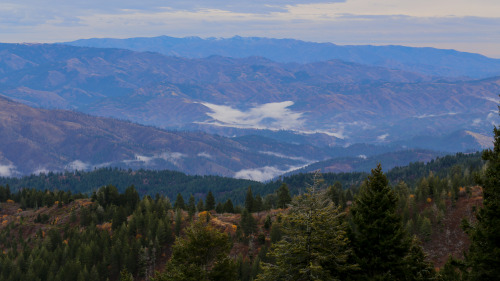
point(19, 210)
point(56, 220)
point(138, 236)
point(429, 200)
point(10, 201)
point(412, 196)
point(5, 222)
point(105, 226)
point(205, 215)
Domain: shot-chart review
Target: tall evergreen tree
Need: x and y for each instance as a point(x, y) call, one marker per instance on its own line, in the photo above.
point(283, 195)
point(249, 200)
point(209, 201)
point(228, 206)
point(200, 206)
point(247, 222)
point(379, 240)
point(258, 203)
point(314, 245)
point(179, 202)
point(483, 257)
point(191, 206)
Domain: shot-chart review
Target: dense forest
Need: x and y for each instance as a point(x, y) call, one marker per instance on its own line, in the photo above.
point(170, 183)
point(351, 226)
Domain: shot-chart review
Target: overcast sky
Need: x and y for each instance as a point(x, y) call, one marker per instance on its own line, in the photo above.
point(465, 25)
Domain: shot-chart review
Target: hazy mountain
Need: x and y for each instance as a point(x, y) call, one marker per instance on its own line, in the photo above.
point(34, 140)
point(430, 61)
point(362, 163)
point(340, 102)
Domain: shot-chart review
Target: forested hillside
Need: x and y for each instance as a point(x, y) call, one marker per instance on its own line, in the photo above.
point(111, 233)
point(170, 183)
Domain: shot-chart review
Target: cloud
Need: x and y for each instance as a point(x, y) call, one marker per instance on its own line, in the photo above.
point(40, 170)
point(476, 122)
point(264, 173)
point(382, 137)
point(7, 170)
point(273, 116)
point(435, 115)
point(362, 156)
point(205, 154)
point(77, 165)
point(279, 155)
point(171, 157)
point(338, 133)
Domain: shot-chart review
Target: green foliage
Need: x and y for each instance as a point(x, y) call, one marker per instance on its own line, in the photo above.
point(200, 206)
point(283, 195)
point(210, 202)
point(249, 200)
point(191, 206)
point(314, 244)
point(179, 202)
point(95, 252)
point(202, 254)
point(416, 266)
point(379, 240)
point(247, 222)
point(483, 257)
point(228, 206)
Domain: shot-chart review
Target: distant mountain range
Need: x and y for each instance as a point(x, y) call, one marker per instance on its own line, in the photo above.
point(344, 102)
point(247, 116)
point(430, 61)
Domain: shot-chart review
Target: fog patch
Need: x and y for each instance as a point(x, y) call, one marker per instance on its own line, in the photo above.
point(264, 173)
point(77, 165)
point(279, 155)
point(271, 116)
point(205, 154)
point(382, 137)
point(40, 170)
point(171, 157)
point(7, 170)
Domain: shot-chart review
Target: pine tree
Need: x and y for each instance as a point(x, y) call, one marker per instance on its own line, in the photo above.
point(483, 257)
point(202, 254)
point(283, 195)
point(314, 245)
point(249, 200)
point(179, 202)
point(200, 206)
point(258, 204)
point(247, 222)
point(379, 239)
point(210, 202)
point(191, 206)
point(417, 267)
point(228, 206)
point(219, 208)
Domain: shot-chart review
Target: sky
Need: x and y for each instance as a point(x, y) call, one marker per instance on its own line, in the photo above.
point(465, 25)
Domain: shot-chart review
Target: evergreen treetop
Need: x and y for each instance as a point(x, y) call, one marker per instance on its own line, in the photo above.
point(379, 239)
point(483, 257)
